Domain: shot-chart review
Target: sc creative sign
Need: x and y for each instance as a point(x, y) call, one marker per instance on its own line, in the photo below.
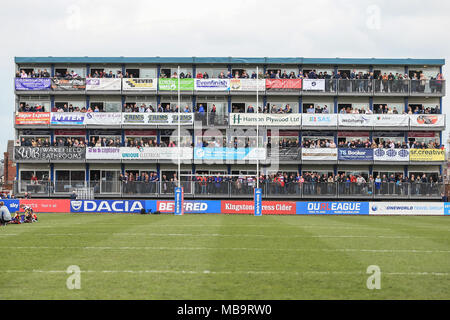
point(426, 155)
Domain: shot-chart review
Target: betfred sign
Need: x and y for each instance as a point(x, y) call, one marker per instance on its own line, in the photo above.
point(248, 207)
point(190, 206)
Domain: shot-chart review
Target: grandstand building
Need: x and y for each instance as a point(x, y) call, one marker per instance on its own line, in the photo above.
point(322, 128)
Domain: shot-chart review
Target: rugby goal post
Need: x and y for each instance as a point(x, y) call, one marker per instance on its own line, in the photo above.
point(252, 179)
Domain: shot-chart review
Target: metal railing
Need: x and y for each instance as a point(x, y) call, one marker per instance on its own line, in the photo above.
point(211, 119)
point(237, 189)
point(355, 86)
point(327, 86)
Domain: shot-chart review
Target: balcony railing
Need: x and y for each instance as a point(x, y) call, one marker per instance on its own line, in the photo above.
point(237, 86)
point(236, 189)
point(215, 155)
point(355, 86)
point(211, 119)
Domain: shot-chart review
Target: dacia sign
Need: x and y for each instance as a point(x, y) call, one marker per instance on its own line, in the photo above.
point(106, 206)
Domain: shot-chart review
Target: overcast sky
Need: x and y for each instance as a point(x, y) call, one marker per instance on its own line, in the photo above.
point(245, 28)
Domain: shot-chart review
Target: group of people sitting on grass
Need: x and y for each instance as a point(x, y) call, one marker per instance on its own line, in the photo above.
point(7, 218)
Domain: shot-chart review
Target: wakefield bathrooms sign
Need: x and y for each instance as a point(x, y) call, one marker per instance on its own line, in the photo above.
point(249, 119)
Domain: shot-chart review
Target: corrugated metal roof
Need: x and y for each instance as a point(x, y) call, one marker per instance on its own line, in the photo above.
point(231, 60)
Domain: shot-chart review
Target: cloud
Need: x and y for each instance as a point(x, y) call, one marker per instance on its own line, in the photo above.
point(321, 28)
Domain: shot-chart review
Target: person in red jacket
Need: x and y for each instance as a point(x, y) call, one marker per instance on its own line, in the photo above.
point(352, 184)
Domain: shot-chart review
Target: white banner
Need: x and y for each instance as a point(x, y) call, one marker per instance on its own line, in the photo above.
point(318, 154)
point(102, 153)
point(319, 119)
point(355, 120)
point(105, 84)
point(264, 119)
point(427, 120)
point(212, 84)
point(206, 153)
point(156, 153)
point(154, 118)
point(390, 120)
point(147, 84)
point(103, 118)
point(407, 208)
point(314, 84)
point(391, 155)
point(247, 84)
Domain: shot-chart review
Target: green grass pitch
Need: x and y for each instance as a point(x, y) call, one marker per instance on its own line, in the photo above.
point(129, 256)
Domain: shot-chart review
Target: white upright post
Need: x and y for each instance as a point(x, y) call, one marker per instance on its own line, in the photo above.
point(179, 192)
point(257, 194)
point(179, 129)
point(257, 125)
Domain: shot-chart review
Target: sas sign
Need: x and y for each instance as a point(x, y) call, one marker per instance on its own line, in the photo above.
point(103, 206)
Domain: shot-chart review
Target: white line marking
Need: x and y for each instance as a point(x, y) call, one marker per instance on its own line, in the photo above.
point(64, 225)
point(237, 249)
point(224, 235)
point(237, 272)
point(203, 225)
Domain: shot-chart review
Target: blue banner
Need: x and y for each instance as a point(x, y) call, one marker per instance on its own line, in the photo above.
point(447, 208)
point(179, 201)
point(355, 154)
point(12, 204)
point(229, 153)
point(32, 84)
point(212, 84)
point(67, 118)
point(107, 206)
point(258, 202)
point(341, 207)
point(190, 206)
